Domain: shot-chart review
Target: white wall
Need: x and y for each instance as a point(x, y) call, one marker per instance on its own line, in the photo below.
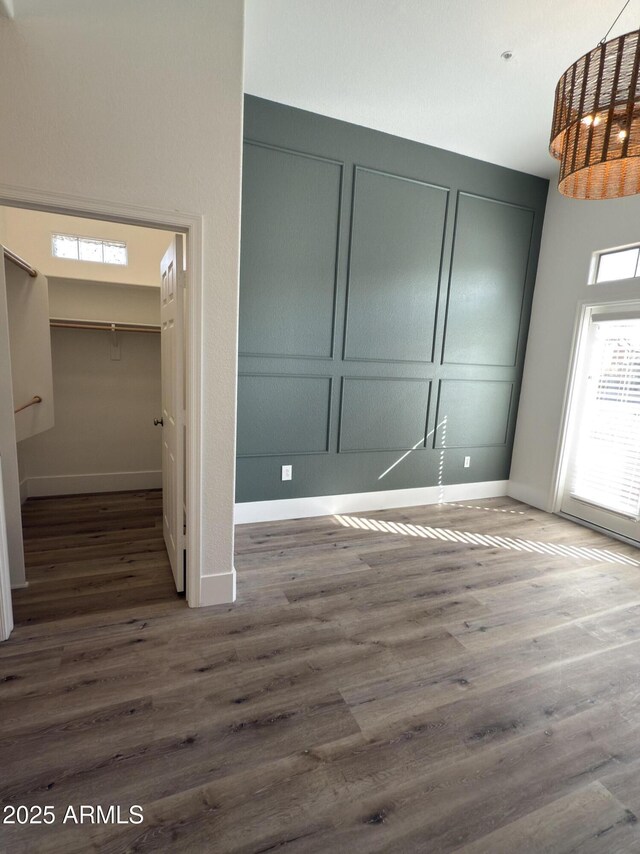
point(573, 230)
point(30, 344)
point(142, 105)
point(28, 233)
point(103, 438)
point(77, 300)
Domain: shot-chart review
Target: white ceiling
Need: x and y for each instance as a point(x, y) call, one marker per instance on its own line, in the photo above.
point(429, 70)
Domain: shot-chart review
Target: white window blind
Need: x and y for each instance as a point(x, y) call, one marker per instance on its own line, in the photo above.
point(606, 467)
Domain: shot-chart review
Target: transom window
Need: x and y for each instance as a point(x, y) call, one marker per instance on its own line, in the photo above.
point(613, 265)
point(76, 248)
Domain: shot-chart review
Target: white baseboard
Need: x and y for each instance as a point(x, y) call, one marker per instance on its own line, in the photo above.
point(78, 484)
point(24, 490)
point(217, 589)
point(22, 586)
point(358, 502)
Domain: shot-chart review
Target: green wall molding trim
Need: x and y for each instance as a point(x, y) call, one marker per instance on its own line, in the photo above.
point(385, 284)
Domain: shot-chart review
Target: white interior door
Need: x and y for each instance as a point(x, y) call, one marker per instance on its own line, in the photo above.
point(603, 478)
point(173, 414)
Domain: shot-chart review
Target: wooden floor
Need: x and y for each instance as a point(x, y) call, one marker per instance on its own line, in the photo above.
point(432, 679)
point(90, 554)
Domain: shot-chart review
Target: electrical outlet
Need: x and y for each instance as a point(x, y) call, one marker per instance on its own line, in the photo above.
point(467, 462)
point(287, 473)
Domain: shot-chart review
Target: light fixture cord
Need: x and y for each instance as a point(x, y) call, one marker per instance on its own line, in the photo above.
point(615, 22)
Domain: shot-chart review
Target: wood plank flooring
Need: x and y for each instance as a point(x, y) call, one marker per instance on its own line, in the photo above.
point(462, 677)
point(88, 554)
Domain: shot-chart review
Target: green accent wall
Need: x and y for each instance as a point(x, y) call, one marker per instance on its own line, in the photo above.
point(385, 292)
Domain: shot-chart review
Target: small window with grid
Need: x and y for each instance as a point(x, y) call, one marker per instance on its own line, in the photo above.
point(76, 248)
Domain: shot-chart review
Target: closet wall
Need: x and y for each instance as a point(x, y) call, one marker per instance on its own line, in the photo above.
point(107, 391)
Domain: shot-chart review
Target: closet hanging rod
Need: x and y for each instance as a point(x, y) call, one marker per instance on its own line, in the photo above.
point(20, 262)
point(35, 399)
point(104, 325)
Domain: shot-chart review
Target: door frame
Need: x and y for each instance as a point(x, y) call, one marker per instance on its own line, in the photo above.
point(586, 308)
point(190, 225)
point(6, 608)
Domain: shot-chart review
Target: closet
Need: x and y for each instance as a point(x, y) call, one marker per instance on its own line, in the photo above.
point(105, 340)
point(92, 425)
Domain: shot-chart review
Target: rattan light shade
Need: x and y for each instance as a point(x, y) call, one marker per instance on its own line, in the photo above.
point(596, 122)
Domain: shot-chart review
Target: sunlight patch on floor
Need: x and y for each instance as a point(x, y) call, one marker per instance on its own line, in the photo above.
point(490, 541)
point(491, 509)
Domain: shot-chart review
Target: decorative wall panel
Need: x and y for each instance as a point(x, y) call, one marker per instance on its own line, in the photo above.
point(383, 414)
point(396, 248)
point(488, 276)
point(290, 218)
point(473, 413)
point(283, 414)
point(384, 284)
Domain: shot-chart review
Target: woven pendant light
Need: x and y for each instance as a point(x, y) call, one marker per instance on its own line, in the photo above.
point(596, 122)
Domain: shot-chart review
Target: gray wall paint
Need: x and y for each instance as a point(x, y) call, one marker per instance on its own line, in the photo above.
point(283, 414)
point(396, 244)
point(385, 285)
point(488, 277)
point(383, 414)
point(288, 257)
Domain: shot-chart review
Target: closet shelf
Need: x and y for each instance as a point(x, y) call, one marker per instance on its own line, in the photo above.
point(108, 326)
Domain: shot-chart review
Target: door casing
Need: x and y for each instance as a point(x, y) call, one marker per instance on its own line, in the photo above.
point(586, 308)
point(191, 225)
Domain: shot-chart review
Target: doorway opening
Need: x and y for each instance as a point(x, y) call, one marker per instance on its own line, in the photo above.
point(600, 482)
point(101, 453)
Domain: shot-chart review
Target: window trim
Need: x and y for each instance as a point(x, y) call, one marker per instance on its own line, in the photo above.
point(593, 304)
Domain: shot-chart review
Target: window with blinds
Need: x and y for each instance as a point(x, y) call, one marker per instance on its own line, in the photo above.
point(606, 467)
